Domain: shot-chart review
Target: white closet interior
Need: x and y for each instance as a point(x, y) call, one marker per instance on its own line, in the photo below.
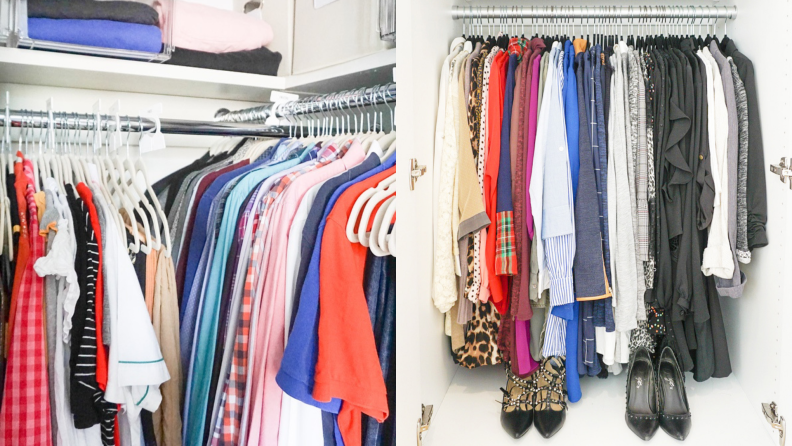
point(467, 402)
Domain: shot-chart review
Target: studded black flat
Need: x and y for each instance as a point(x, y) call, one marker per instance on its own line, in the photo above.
point(517, 411)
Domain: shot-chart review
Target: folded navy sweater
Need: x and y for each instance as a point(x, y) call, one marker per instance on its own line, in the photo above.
point(98, 33)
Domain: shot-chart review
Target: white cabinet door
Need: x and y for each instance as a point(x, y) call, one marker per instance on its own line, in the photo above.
point(424, 364)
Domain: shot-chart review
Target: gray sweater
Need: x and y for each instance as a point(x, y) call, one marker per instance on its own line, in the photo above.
point(730, 287)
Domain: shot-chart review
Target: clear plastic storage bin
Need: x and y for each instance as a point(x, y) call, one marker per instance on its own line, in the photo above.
point(14, 33)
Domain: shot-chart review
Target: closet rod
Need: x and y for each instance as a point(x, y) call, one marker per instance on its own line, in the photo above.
point(331, 102)
point(85, 122)
point(594, 12)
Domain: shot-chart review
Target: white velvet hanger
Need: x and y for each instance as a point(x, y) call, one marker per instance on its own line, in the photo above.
point(352, 230)
point(379, 221)
point(381, 196)
point(392, 241)
point(141, 170)
point(383, 235)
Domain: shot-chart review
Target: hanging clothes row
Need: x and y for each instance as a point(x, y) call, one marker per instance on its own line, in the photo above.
point(90, 315)
point(592, 196)
point(287, 328)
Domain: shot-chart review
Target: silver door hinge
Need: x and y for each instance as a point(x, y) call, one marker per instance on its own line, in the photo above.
point(776, 421)
point(783, 169)
point(424, 421)
point(416, 172)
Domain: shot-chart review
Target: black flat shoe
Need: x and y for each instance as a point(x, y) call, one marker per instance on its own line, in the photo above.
point(550, 411)
point(517, 412)
point(675, 418)
point(641, 414)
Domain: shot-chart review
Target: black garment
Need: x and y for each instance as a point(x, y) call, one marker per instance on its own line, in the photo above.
point(118, 11)
point(81, 397)
point(163, 184)
point(14, 210)
point(258, 61)
point(88, 405)
point(168, 188)
point(757, 189)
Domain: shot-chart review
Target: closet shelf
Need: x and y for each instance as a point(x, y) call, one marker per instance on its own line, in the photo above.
point(31, 67)
point(722, 414)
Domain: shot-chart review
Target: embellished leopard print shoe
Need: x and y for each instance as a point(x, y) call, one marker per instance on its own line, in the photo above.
point(551, 406)
point(517, 409)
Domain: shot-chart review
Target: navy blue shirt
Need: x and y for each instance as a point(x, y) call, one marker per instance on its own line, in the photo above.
point(311, 228)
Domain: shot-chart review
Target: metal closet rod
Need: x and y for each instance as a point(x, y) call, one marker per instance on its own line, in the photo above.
point(86, 122)
point(352, 99)
point(594, 12)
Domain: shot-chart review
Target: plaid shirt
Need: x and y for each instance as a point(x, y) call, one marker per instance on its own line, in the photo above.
point(227, 428)
point(505, 254)
point(25, 414)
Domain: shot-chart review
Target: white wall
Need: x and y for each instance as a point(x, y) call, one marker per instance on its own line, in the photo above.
point(339, 32)
point(754, 322)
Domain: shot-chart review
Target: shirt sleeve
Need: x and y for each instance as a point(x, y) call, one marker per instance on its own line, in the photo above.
point(559, 256)
point(345, 332)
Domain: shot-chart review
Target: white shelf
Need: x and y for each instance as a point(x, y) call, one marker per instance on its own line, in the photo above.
point(31, 67)
point(470, 415)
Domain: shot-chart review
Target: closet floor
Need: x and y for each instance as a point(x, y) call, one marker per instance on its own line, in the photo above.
point(470, 415)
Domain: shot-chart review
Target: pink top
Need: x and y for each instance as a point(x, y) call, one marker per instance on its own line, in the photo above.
point(271, 290)
point(212, 30)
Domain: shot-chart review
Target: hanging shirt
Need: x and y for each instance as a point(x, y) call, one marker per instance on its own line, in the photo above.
point(190, 220)
point(25, 413)
point(505, 255)
point(274, 274)
point(558, 225)
point(267, 334)
point(358, 383)
point(202, 356)
point(296, 375)
point(136, 367)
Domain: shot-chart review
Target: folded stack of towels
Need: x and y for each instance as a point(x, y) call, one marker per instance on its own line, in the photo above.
point(203, 36)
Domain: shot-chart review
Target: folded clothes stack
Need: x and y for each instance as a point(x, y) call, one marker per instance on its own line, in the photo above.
point(124, 25)
point(207, 37)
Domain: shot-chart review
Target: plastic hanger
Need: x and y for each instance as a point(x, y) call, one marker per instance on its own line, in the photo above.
point(369, 199)
point(120, 179)
point(391, 238)
point(378, 199)
point(389, 139)
point(381, 250)
point(105, 182)
point(141, 170)
point(113, 187)
point(129, 180)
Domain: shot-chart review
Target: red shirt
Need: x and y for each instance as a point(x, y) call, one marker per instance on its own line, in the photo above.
point(347, 365)
point(497, 90)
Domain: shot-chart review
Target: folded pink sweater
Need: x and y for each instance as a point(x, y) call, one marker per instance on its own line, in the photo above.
point(212, 30)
